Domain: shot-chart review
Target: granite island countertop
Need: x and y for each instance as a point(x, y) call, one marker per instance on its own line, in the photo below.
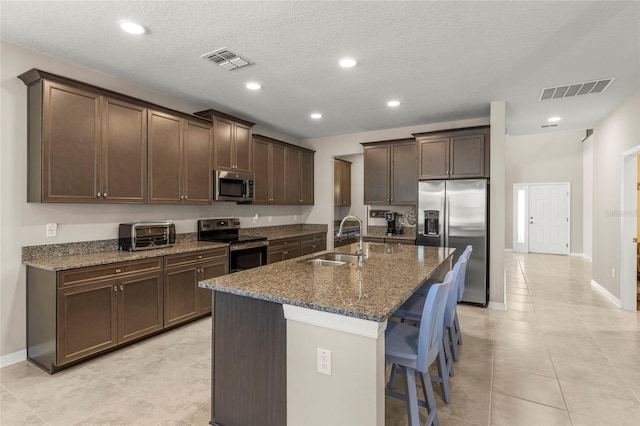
point(73, 261)
point(389, 274)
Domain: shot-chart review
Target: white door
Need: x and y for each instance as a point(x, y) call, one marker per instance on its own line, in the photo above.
point(549, 218)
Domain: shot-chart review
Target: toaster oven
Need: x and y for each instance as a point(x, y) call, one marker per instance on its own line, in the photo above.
point(146, 235)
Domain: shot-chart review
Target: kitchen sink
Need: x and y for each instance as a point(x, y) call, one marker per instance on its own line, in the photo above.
point(332, 259)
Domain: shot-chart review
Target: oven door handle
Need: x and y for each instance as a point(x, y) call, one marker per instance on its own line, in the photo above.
point(249, 245)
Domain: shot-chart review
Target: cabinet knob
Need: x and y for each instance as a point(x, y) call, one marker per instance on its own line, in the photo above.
point(104, 195)
point(200, 257)
point(98, 195)
point(186, 197)
point(121, 287)
point(115, 288)
point(118, 271)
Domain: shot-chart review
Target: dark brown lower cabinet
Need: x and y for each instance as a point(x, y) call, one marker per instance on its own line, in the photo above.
point(183, 299)
point(77, 313)
point(310, 244)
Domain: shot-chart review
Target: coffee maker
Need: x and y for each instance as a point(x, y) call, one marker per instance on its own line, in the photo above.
point(393, 223)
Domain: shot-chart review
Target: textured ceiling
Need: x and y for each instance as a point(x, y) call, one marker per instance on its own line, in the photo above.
point(443, 60)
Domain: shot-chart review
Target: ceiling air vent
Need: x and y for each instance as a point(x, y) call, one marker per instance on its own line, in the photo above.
point(226, 59)
point(575, 89)
point(545, 126)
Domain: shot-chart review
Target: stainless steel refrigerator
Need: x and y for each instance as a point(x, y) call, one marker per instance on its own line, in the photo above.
point(454, 213)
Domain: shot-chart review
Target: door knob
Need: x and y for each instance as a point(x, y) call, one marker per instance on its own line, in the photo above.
point(635, 240)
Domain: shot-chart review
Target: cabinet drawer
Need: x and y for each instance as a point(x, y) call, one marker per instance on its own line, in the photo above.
point(194, 257)
point(284, 243)
point(95, 273)
point(310, 239)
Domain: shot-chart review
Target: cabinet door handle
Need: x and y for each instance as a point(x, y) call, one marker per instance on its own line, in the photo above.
point(121, 287)
point(98, 195)
point(186, 197)
point(115, 288)
point(104, 195)
point(118, 271)
point(200, 257)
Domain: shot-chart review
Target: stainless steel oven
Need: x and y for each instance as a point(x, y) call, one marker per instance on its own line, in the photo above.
point(245, 251)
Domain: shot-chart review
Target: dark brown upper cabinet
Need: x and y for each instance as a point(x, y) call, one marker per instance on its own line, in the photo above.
point(283, 173)
point(87, 144)
point(180, 155)
point(232, 141)
point(455, 154)
point(341, 182)
point(390, 172)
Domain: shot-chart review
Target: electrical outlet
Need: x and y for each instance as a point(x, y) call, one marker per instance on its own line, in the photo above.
point(613, 272)
point(295, 217)
point(255, 218)
point(52, 229)
point(269, 219)
point(324, 361)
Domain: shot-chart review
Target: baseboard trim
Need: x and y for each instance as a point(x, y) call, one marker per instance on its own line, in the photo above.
point(582, 255)
point(499, 306)
point(13, 358)
point(508, 250)
point(603, 291)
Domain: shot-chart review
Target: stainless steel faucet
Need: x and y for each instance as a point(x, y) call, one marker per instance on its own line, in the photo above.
point(359, 251)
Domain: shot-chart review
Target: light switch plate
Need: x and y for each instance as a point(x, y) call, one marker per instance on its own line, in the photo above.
point(52, 229)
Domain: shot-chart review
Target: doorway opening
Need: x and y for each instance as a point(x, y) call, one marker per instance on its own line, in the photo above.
point(541, 218)
point(629, 250)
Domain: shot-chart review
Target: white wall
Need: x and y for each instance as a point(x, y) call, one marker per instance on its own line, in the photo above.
point(587, 197)
point(542, 158)
point(615, 134)
point(23, 223)
point(497, 288)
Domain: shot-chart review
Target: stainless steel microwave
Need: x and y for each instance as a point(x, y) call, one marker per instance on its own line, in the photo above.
point(232, 186)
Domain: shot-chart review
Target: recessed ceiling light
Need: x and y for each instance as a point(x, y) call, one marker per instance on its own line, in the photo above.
point(316, 116)
point(132, 27)
point(393, 103)
point(554, 119)
point(254, 86)
point(347, 62)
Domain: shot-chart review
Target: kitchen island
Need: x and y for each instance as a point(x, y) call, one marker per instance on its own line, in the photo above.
point(269, 322)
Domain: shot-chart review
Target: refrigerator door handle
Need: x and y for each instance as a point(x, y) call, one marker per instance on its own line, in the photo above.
point(447, 226)
point(443, 223)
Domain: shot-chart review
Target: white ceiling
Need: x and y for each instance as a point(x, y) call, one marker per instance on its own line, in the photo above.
point(443, 60)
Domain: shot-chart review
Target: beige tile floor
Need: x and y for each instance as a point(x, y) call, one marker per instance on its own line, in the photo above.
point(560, 355)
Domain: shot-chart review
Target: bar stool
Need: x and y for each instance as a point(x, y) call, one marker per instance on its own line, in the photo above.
point(413, 349)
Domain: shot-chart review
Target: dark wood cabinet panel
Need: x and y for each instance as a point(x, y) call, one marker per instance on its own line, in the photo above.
point(278, 181)
point(341, 182)
point(293, 176)
point(434, 158)
point(223, 143)
point(231, 141)
point(124, 152)
point(242, 148)
point(165, 152)
point(140, 306)
point(307, 177)
point(404, 174)
point(71, 142)
point(376, 174)
point(467, 156)
point(249, 362)
point(390, 170)
point(87, 320)
point(283, 249)
point(455, 154)
point(310, 244)
point(210, 270)
point(198, 170)
point(262, 175)
point(180, 294)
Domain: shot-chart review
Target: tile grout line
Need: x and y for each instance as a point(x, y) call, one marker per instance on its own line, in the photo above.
point(24, 403)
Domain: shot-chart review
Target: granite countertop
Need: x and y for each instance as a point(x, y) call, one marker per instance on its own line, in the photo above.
point(60, 263)
point(381, 232)
point(372, 291)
